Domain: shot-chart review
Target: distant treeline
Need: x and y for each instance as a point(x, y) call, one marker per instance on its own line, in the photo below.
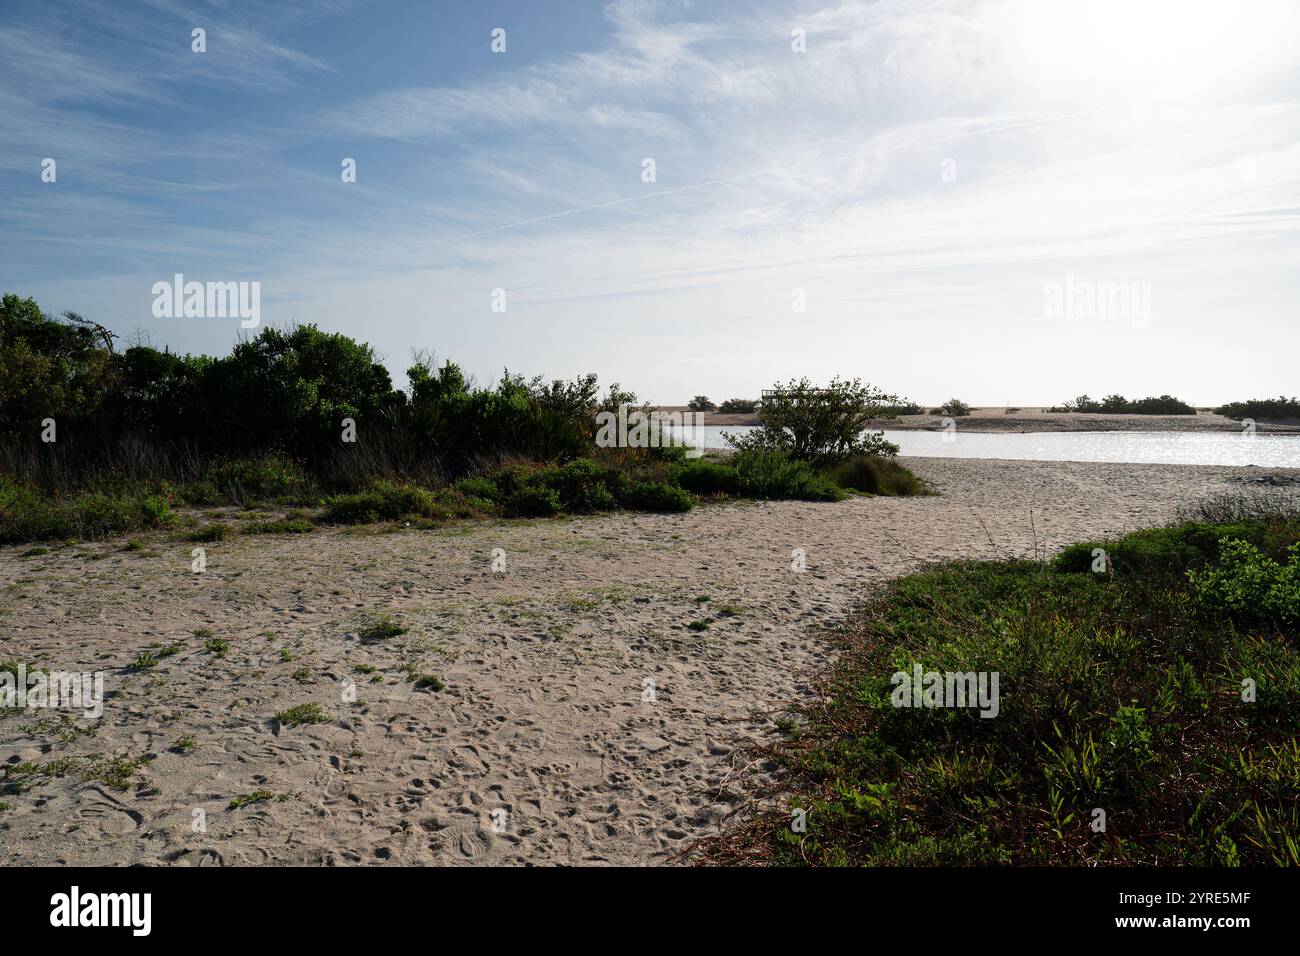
point(732, 406)
point(149, 412)
point(1119, 405)
point(1281, 407)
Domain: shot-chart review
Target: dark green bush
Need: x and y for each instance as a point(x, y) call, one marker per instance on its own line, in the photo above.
point(259, 479)
point(1281, 407)
point(1119, 405)
point(26, 515)
point(821, 425)
point(534, 501)
point(383, 500)
point(704, 477)
point(580, 485)
point(484, 488)
point(773, 473)
point(1248, 586)
point(1153, 551)
point(655, 496)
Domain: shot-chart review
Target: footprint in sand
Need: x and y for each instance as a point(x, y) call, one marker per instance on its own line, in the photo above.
point(108, 813)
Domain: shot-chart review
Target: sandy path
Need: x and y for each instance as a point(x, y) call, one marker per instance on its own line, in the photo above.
point(546, 668)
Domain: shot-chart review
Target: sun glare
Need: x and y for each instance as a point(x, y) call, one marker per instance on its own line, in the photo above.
point(1152, 49)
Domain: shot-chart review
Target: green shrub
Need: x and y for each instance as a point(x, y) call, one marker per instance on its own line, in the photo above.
point(580, 485)
point(209, 532)
point(655, 496)
point(1248, 585)
point(773, 473)
point(199, 494)
point(704, 477)
point(484, 488)
point(27, 515)
point(954, 408)
point(512, 478)
point(820, 424)
point(258, 479)
point(1156, 551)
point(534, 501)
point(877, 476)
point(384, 500)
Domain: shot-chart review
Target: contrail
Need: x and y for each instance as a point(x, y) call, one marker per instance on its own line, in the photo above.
point(728, 180)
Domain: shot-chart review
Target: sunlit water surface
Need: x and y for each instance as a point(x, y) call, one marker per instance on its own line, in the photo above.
point(1155, 448)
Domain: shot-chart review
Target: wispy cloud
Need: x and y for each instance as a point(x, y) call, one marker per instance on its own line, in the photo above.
point(918, 172)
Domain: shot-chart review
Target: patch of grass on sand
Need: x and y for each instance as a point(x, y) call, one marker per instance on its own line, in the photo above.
point(876, 475)
point(144, 661)
point(278, 526)
point(429, 682)
point(117, 772)
point(1159, 682)
point(185, 743)
point(257, 796)
point(378, 629)
point(302, 714)
point(216, 531)
point(701, 625)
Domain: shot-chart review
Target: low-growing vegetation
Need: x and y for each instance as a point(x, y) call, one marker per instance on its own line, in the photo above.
point(301, 714)
point(1147, 711)
point(1281, 407)
point(257, 796)
point(1119, 405)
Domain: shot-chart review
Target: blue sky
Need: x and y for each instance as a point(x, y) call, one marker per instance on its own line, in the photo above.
point(918, 176)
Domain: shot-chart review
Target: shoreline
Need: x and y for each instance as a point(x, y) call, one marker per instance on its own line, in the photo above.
point(1029, 420)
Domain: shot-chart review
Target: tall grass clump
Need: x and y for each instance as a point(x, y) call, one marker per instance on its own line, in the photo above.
point(872, 474)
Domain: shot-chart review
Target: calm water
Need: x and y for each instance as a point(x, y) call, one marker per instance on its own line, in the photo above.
point(1156, 448)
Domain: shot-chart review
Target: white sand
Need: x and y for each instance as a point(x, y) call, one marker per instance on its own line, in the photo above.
point(545, 666)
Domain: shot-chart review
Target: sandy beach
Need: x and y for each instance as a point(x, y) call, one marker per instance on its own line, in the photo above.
point(583, 720)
